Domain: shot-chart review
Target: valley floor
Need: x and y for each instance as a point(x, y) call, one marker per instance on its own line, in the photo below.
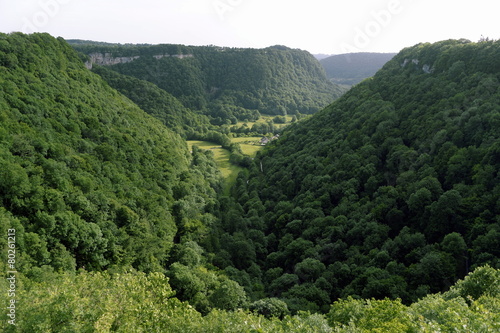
point(249, 145)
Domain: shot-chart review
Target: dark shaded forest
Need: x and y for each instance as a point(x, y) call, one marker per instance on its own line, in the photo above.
point(391, 191)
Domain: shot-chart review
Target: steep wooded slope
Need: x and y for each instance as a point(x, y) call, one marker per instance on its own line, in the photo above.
point(157, 102)
point(390, 191)
point(87, 178)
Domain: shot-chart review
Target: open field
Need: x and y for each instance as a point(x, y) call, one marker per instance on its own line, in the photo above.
point(221, 157)
point(249, 145)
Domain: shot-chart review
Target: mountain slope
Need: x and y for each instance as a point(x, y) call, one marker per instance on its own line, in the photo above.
point(353, 68)
point(87, 178)
point(227, 84)
point(391, 191)
point(156, 102)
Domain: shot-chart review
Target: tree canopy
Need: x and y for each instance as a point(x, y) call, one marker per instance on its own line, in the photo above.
point(89, 179)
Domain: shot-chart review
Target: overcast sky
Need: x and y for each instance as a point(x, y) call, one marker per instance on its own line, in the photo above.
point(318, 26)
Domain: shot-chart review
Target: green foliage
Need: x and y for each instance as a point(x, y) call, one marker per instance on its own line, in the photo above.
point(447, 313)
point(371, 315)
point(229, 84)
point(100, 302)
point(91, 178)
point(270, 307)
point(137, 302)
point(484, 282)
point(229, 295)
point(204, 289)
point(157, 102)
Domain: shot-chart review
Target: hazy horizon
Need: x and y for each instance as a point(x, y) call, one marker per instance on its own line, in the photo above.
point(319, 26)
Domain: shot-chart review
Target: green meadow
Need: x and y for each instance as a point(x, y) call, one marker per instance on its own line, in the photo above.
point(249, 145)
point(221, 156)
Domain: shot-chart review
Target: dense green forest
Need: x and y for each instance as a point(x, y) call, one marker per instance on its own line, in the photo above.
point(391, 191)
point(352, 68)
point(158, 103)
point(361, 218)
point(138, 302)
point(228, 84)
point(87, 178)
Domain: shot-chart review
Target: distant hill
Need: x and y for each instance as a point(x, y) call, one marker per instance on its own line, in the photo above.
point(353, 68)
point(227, 84)
point(321, 56)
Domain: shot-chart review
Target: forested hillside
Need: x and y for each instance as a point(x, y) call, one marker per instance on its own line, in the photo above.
point(87, 179)
point(158, 103)
point(227, 84)
point(359, 218)
point(391, 191)
point(352, 68)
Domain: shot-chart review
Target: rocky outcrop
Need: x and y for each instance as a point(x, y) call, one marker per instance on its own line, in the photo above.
point(106, 59)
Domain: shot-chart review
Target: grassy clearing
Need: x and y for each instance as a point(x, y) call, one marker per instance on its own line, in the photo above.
point(221, 157)
point(249, 145)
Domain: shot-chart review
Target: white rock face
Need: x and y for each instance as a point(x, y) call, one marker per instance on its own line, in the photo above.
point(106, 59)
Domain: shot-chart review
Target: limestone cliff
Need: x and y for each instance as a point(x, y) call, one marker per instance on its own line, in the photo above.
point(107, 59)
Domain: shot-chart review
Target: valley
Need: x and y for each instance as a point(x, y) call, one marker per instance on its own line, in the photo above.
point(249, 146)
point(144, 198)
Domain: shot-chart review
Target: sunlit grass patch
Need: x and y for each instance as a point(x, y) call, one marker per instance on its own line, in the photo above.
point(221, 156)
point(249, 145)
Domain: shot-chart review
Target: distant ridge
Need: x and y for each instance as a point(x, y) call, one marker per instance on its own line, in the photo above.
point(226, 84)
point(322, 56)
point(352, 68)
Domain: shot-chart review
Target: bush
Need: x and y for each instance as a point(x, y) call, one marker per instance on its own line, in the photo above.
point(270, 307)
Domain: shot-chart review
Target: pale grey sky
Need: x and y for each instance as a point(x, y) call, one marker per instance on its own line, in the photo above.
point(318, 26)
